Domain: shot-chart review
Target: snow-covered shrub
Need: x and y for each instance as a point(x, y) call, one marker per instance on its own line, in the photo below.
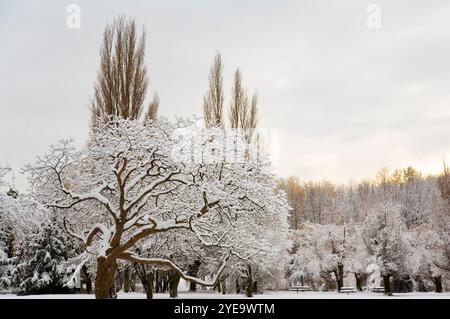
point(40, 265)
point(33, 247)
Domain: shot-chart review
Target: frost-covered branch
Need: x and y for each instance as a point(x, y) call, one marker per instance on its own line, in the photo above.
point(160, 262)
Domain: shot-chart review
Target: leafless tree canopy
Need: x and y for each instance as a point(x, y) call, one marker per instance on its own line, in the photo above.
point(213, 100)
point(122, 79)
point(153, 107)
point(243, 114)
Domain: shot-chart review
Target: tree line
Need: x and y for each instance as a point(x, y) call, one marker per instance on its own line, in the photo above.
point(391, 231)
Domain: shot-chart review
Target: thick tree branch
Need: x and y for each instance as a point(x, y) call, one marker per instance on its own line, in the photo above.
point(95, 230)
point(147, 190)
point(168, 263)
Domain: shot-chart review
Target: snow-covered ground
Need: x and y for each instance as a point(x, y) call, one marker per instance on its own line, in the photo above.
point(267, 295)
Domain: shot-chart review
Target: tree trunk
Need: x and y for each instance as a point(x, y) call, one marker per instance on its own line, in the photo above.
point(336, 279)
point(217, 287)
point(224, 287)
point(149, 286)
point(421, 287)
point(104, 280)
point(238, 287)
point(438, 284)
point(118, 280)
point(87, 279)
point(174, 280)
point(193, 271)
point(157, 283)
point(255, 286)
point(126, 279)
point(132, 280)
point(358, 282)
point(249, 288)
point(387, 284)
point(339, 275)
point(165, 283)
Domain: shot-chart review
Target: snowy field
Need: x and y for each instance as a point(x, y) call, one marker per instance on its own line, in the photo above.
point(268, 295)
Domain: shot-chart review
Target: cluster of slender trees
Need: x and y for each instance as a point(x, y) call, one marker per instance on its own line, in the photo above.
point(120, 92)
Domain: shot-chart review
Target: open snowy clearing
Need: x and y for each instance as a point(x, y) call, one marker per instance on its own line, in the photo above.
point(268, 295)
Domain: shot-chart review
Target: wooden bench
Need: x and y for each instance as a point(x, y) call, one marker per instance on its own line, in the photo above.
point(347, 290)
point(300, 288)
point(377, 289)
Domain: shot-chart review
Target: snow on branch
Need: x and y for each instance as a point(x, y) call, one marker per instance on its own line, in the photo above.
point(167, 263)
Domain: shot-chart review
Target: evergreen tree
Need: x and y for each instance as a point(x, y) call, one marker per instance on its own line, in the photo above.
point(40, 262)
point(6, 250)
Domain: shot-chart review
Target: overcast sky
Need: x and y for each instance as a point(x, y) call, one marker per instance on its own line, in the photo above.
point(347, 99)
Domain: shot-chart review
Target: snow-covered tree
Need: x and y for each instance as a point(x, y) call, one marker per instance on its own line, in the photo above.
point(320, 250)
point(19, 218)
point(181, 247)
point(264, 269)
point(441, 220)
point(304, 265)
point(426, 257)
point(40, 261)
point(386, 239)
point(138, 180)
